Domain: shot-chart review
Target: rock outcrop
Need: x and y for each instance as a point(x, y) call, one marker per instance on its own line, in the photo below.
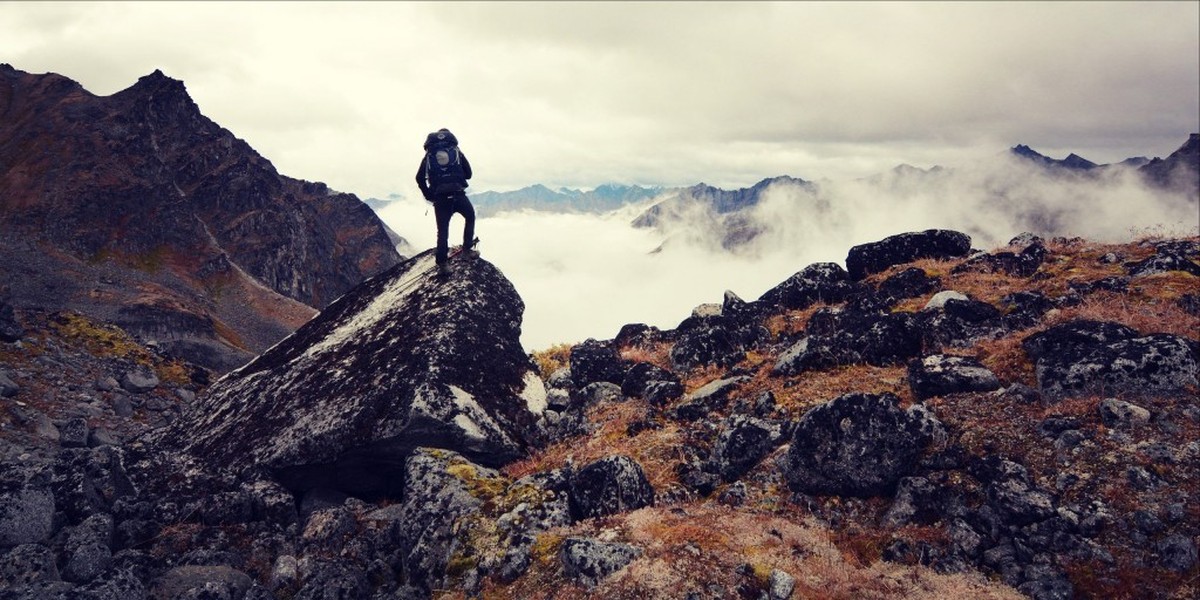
point(405, 360)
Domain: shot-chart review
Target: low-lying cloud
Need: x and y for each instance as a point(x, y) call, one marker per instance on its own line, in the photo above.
point(587, 275)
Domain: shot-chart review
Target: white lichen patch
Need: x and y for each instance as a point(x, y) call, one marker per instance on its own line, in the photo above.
point(534, 393)
point(469, 428)
point(391, 299)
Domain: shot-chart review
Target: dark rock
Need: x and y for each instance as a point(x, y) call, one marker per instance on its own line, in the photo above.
point(659, 393)
point(611, 485)
point(1162, 263)
point(1046, 584)
point(27, 564)
point(858, 445)
point(1117, 285)
point(818, 282)
point(597, 393)
point(590, 561)
point(90, 549)
point(734, 495)
point(1051, 427)
point(637, 334)
point(26, 515)
point(1024, 309)
point(1119, 414)
point(917, 500)
point(941, 375)
point(875, 257)
point(1022, 264)
point(215, 582)
point(593, 361)
point(640, 375)
point(1073, 335)
point(1019, 501)
point(879, 340)
point(10, 330)
point(406, 359)
point(138, 382)
point(1153, 364)
point(742, 443)
point(909, 283)
point(697, 477)
point(712, 396)
point(714, 340)
point(8, 388)
point(74, 433)
point(780, 585)
point(1176, 552)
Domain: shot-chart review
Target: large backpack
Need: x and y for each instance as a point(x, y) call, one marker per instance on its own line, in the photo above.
point(443, 163)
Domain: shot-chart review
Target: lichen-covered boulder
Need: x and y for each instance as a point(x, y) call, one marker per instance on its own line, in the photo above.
point(876, 257)
point(858, 445)
point(941, 374)
point(742, 443)
point(818, 282)
point(593, 361)
point(1082, 356)
point(611, 485)
point(406, 359)
point(590, 561)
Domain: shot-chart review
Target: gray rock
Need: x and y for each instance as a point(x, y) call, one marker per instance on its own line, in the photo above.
point(1119, 414)
point(106, 384)
point(26, 516)
point(659, 393)
point(600, 391)
point(593, 361)
point(611, 485)
point(941, 375)
point(818, 282)
point(780, 585)
point(1019, 501)
point(590, 561)
point(939, 299)
point(138, 382)
point(90, 549)
point(8, 387)
point(742, 443)
point(122, 406)
point(187, 396)
point(858, 445)
point(74, 433)
point(26, 564)
point(195, 582)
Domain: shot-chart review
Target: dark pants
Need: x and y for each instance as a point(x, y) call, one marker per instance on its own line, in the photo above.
point(444, 208)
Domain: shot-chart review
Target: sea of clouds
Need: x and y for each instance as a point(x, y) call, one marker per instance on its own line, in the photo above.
point(586, 275)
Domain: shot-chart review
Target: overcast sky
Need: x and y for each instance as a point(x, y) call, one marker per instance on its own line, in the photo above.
point(579, 94)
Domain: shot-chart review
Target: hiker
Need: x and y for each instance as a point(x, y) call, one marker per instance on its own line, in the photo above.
point(442, 177)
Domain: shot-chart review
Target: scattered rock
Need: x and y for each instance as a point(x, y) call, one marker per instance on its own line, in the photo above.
point(642, 374)
point(1177, 552)
point(8, 388)
point(941, 375)
point(939, 299)
point(193, 581)
point(858, 445)
point(10, 330)
point(818, 282)
point(27, 564)
point(138, 382)
point(593, 361)
point(1087, 355)
point(780, 585)
point(74, 433)
point(26, 515)
point(611, 485)
point(742, 443)
point(904, 248)
point(909, 283)
point(590, 561)
point(1119, 414)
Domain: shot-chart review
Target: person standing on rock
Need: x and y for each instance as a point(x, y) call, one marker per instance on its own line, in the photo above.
point(442, 177)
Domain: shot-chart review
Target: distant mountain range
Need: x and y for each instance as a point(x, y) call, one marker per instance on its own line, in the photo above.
point(604, 198)
point(137, 209)
point(720, 218)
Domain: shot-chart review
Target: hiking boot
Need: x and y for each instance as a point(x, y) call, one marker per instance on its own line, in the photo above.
point(443, 269)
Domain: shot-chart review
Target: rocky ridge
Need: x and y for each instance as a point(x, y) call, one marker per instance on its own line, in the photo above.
point(882, 435)
point(138, 210)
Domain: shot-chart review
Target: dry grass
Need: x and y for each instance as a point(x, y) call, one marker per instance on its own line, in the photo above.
point(657, 354)
point(552, 359)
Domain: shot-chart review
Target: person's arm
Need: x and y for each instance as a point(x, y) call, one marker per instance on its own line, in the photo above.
point(466, 164)
point(421, 183)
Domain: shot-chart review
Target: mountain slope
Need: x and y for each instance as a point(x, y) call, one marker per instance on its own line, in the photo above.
point(144, 201)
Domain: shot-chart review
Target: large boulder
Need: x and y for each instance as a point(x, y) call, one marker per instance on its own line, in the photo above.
point(590, 561)
point(858, 445)
point(876, 257)
point(609, 486)
point(942, 374)
point(854, 338)
point(818, 282)
point(593, 361)
point(1081, 356)
point(404, 360)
